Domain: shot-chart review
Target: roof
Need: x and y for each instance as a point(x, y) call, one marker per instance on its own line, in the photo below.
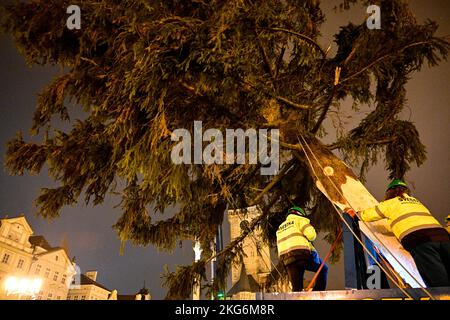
point(126, 297)
point(144, 290)
point(85, 280)
point(41, 242)
point(20, 217)
point(246, 283)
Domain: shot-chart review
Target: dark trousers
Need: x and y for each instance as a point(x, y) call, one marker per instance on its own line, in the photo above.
point(296, 270)
point(433, 262)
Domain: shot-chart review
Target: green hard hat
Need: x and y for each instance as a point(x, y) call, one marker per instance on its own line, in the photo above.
point(298, 209)
point(396, 183)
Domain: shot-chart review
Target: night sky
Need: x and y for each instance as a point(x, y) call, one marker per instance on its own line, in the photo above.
point(88, 229)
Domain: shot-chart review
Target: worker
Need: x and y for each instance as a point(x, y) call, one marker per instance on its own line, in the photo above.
point(296, 251)
point(447, 221)
point(417, 230)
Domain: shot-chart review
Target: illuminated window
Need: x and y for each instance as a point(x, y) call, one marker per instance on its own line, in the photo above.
point(20, 264)
point(6, 258)
point(49, 297)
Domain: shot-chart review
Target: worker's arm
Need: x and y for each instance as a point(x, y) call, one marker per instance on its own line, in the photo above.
point(381, 211)
point(309, 232)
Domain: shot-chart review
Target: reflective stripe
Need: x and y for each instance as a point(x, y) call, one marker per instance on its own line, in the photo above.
point(408, 215)
point(295, 234)
point(295, 248)
point(379, 212)
point(423, 226)
point(302, 230)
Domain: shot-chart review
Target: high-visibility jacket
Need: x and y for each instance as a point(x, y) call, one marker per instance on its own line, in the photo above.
point(295, 233)
point(404, 215)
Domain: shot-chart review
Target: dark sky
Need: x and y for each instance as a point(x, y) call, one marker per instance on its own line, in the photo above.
point(88, 230)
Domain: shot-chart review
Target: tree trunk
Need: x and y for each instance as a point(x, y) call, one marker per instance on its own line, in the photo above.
point(341, 186)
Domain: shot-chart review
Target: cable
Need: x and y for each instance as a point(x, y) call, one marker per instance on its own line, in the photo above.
point(387, 249)
point(339, 191)
point(316, 275)
point(351, 230)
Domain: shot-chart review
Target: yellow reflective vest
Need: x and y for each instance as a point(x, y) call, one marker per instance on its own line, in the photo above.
point(404, 216)
point(295, 233)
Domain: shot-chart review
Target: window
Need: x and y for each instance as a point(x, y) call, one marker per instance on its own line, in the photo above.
point(38, 269)
point(47, 272)
point(20, 264)
point(83, 297)
point(13, 235)
point(58, 298)
point(6, 258)
point(55, 276)
point(56, 258)
point(63, 279)
point(49, 297)
point(75, 298)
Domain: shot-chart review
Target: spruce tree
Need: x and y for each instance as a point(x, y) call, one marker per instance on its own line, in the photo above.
point(142, 68)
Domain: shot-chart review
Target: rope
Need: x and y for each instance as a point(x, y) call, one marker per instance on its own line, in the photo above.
point(339, 191)
point(311, 284)
point(389, 266)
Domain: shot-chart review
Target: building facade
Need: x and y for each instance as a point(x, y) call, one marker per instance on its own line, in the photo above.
point(143, 295)
point(259, 260)
point(88, 288)
point(25, 257)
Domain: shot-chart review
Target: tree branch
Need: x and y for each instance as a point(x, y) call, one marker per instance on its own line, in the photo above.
point(253, 224)
point(268, 67)
point(279, 60)
point(301, 36)
point(294, 147)
point(395, 52)
point(325, 109)
point(291, 103)
point(338, 145)
point(274, 181)
point(283, 100)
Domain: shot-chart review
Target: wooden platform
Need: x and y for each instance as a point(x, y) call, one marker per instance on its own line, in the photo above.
point(442, 293)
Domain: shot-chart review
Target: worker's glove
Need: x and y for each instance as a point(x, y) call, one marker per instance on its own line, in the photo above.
point(350, 212)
